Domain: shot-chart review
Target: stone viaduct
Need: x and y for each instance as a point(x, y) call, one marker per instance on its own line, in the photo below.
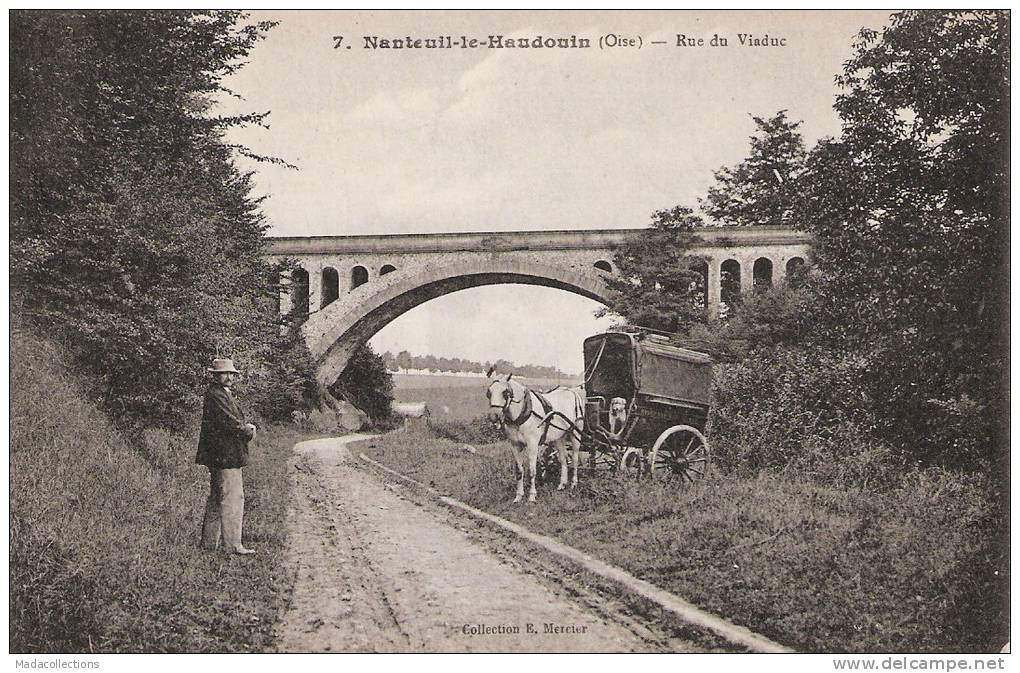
point(352, 286)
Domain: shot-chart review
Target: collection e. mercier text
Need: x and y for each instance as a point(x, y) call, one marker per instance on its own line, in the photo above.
point(607, 41)
point(530, 628)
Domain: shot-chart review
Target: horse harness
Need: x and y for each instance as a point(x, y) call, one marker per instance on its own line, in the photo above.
point(528, 410)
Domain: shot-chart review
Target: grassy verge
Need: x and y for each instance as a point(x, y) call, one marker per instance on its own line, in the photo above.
point(104, 552)
point(915, 567)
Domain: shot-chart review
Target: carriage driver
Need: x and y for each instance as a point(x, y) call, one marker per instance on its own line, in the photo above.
point(223, 448)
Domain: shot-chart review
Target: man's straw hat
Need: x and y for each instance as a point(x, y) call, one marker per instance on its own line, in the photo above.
point(222, 366)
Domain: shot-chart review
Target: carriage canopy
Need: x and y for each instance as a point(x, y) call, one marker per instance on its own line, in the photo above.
point(624, 364)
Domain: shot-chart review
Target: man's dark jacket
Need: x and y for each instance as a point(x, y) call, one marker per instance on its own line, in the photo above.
point(223, 441)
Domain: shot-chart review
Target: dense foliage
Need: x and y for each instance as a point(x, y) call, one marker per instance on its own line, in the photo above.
point(367, 384)
point(909, 207)
point(287, 383)
point(898, 335)
point(658, 283)
point(133, 234)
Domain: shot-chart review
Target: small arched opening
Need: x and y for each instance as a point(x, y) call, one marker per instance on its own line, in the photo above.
point(796, 267)
point(762, 273)
point(299, 293)
point(387, 268)
point(729, 282)
point(330, 286)
point(603, 265)
point(359, 276)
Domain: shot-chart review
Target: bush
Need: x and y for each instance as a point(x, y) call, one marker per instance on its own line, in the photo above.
point(286, 383)
point(479, 430)
point(781, 405)
point(763, 318)
point(367, 384)
point(319, 422)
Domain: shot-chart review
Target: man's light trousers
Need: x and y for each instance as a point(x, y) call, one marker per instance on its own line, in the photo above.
point(224, 509)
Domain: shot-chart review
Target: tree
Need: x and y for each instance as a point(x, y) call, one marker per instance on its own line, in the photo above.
point(367, 384)
point(659, 284)
point(286, 382)
point(909, 207)
point(133, 234)
point(762, 189)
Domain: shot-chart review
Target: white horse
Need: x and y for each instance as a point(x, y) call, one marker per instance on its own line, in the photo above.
point(532, 420)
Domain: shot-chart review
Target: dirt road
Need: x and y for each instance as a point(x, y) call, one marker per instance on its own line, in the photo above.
point(376, 572)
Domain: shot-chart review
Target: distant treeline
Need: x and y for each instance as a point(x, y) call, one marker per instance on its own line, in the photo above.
point(403, 361)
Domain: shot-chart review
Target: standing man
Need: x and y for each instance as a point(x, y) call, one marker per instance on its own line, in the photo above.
point(223, 448)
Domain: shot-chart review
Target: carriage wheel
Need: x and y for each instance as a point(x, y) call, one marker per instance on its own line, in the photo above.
point(631, 462)
point(682, 452)
point(606, 459)
point(603, 454)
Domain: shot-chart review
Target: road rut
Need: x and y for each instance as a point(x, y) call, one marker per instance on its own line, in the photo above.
point(376, 572)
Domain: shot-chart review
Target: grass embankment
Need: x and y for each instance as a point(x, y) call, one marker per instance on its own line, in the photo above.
point(911, 568)
point(104, 552)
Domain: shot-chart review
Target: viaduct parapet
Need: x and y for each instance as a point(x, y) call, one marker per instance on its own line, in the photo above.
point(352, 286)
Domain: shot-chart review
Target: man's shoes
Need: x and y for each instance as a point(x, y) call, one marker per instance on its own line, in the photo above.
point(243, 551)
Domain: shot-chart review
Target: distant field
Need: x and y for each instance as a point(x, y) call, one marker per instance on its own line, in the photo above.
point(448, 402)
point(453, 397)
point(414, 382)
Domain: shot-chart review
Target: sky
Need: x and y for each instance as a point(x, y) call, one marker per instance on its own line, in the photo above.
point(441, 140)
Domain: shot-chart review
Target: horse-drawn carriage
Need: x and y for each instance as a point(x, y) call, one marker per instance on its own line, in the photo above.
point(646, 405)
point(643, 408)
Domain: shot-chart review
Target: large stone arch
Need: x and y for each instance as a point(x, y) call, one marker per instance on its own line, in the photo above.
point(343, 327)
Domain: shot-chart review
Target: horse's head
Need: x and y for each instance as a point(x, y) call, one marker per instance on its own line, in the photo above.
point(501, 394)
